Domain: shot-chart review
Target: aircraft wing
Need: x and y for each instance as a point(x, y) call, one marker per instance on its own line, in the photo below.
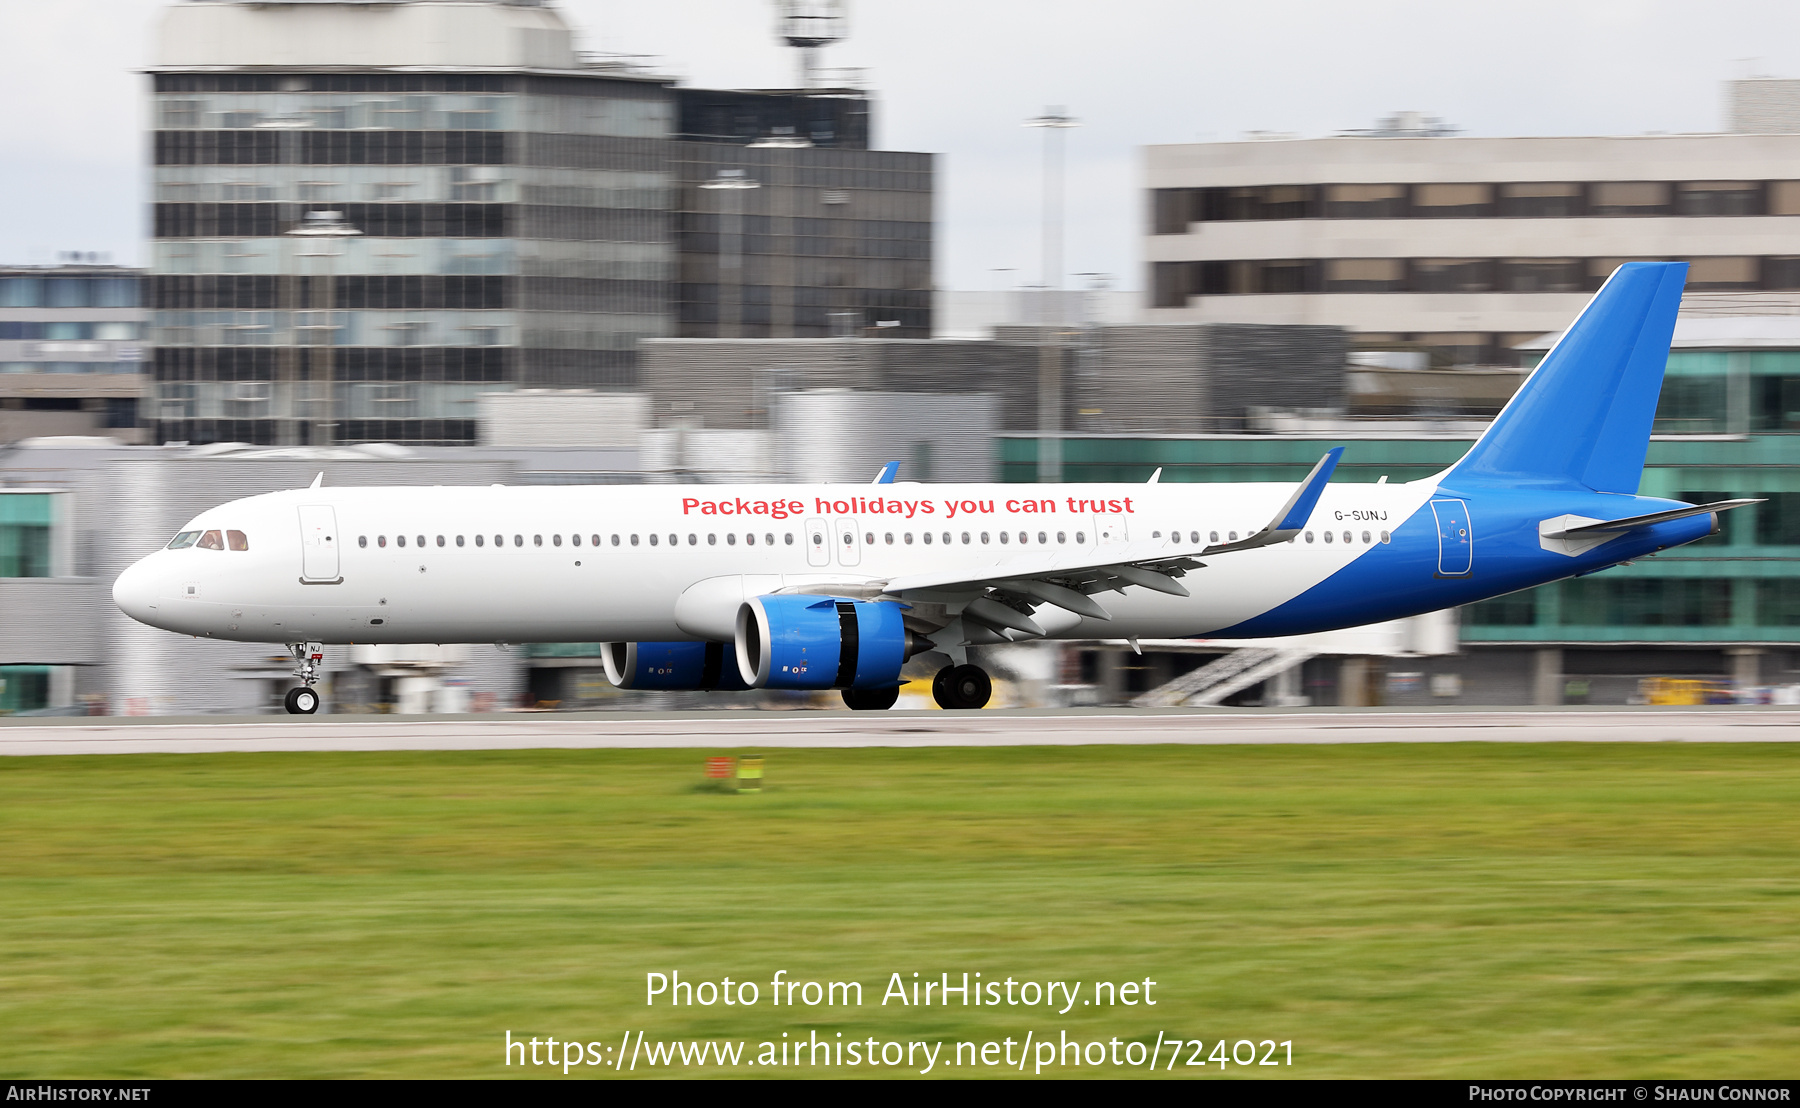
point(1068, 579)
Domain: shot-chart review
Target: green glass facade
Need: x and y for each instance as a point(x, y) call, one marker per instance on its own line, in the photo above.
point(25, 534)
point(1726, 427)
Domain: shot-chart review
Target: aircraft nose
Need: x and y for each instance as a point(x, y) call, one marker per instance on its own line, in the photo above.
point(135, 591)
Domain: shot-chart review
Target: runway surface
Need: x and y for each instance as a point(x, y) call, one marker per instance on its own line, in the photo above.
point(770, 730)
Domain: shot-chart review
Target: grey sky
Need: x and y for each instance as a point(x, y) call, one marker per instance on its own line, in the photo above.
point(958, 78)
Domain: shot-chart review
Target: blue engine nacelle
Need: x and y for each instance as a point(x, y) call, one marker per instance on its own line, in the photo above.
point(671, 665)
point(822, 642)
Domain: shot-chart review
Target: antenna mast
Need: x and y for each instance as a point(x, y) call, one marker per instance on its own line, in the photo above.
point(808, 25)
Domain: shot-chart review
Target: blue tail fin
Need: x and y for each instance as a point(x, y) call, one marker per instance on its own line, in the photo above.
point(1583, 418)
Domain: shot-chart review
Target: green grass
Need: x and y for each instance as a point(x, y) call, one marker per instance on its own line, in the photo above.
point(1464, 910)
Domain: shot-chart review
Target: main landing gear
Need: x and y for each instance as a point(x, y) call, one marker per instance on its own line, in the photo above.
point(308, 657)
point(965, 686)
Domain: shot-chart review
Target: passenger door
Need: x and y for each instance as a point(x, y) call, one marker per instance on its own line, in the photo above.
point(318, 544)
point(1456, 539)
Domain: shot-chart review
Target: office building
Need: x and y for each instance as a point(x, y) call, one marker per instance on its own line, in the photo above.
point(1463, 247)
point(71, 351)
point(510, 213)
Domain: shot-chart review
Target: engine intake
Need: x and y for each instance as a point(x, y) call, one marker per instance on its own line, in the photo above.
point(813, 642)
point(671, 665)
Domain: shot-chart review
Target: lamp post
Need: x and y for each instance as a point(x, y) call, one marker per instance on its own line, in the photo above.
point(324, 230)
point(731, 252)
point(1054, 122)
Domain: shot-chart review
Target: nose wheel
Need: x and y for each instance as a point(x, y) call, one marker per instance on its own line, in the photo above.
point(301, 702)
point(309, 657)
point(962, 687)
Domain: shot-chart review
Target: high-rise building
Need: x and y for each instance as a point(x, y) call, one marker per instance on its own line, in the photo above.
point(510, 213)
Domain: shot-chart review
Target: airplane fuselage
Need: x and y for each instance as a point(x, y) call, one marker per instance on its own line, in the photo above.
point(612, 563)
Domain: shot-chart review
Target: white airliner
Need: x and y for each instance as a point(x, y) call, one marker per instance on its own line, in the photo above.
point(837, 586)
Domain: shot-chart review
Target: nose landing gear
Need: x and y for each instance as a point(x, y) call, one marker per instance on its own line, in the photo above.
point(965, 686)
point(308, 657)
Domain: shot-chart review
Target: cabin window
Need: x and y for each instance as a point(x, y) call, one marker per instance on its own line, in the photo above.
point(1385, 537)
point(399, 540)
point(480, 540)
point(596, 539)
point(788, 537)
point(576, 540)
point(440, 540)
point(890, 538)
point(518, 540)
point(183, 540)
point(1194, 537)
point(965, 538)
point(1005, 536)
point(652, 540)
point(459, 540)
point(1309, 536)
point(1156, 534)
point(1232, 535)
point(555, 540)
point(1042, 538)
point(1081, 536)
point(984, 538)
point(380, 540)
point(634, 541)
point(1347, 536)
point(537, 540)
point(615, 541)
point(1365, 538)
point(869, 539)
point(712, 539)
point(1024, 537)
point(362, 540)
point(1062, 538)
point(499, 540)
point(731, 539)
point(1328, 536)
point(1212, 537)
point(769, 538)
point(926, 537)
point(674, 539)
point(236, 540)
point(421, 541)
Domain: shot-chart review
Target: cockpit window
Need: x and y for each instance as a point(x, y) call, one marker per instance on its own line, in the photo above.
point(183, 540)
point(212, 540)
point(236, 540)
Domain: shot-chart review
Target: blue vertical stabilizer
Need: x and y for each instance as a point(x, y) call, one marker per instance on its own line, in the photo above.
point(1583, 418)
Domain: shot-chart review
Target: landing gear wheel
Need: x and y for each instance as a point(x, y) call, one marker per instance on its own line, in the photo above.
point(301, 702)
point(962, 687)
point(871, 700)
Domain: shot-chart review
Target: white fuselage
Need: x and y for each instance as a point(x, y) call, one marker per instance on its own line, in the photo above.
point(612, 563)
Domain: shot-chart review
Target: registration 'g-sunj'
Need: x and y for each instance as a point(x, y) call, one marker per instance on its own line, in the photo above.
point(837, 586)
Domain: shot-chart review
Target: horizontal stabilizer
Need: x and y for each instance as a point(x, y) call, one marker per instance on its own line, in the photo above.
point(1629, 522)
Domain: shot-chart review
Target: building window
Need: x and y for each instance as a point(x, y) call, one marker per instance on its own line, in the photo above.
point(1365, 201)
point(1540, 200)
point(1775, 403)
point(1646, 602)
point(1365, 275)
point(1629, 198)
point(1719, 198)
point(1461, 201)
point(1691, 406)
point(1452, 275)
point(1542, 275)
point(1516, 610)
point(25, 535)
point(1722, 274)
point(1778, 602)
point(1778, 519)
